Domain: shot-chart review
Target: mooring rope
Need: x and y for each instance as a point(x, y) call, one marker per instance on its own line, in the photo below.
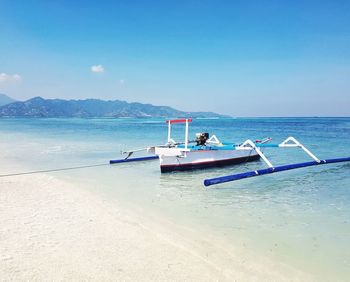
point(52, 170)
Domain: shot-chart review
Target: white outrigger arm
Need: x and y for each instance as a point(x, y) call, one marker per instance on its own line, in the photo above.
point(295, 143)
point(290, 142)
point(249, 145)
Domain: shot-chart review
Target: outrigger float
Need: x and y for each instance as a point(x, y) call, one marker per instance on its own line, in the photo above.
point(211, 152)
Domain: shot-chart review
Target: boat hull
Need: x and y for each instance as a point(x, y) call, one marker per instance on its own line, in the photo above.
point(206, 159)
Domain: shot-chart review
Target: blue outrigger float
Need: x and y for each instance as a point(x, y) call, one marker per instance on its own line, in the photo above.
point(211, 152)
point(290, 142)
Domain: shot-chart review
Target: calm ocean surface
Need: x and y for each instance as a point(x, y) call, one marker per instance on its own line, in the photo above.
point(299, 217)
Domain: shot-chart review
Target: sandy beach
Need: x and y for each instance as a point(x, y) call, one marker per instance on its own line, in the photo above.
point(53, 230)
point(174, 141)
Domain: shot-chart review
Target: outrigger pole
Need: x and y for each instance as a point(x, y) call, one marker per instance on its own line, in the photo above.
point(148, 158)
point(289, 142)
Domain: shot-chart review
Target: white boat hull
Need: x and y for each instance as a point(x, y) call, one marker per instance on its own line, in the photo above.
point(205, 158)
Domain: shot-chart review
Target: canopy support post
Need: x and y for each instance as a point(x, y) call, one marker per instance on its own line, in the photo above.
point(169, 131)
point(186, 135)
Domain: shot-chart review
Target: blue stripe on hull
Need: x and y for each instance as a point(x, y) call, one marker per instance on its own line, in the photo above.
point(221, 163)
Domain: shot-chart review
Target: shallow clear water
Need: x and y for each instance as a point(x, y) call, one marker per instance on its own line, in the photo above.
point(300, 217)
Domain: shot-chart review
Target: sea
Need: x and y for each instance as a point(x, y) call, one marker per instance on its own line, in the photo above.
point(299, 217)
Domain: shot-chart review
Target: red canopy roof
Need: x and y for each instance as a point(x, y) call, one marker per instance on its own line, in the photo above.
point(178, 120)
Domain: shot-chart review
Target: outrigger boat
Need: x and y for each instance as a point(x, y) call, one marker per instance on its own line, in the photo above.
point(211, 152)
point(206, 152)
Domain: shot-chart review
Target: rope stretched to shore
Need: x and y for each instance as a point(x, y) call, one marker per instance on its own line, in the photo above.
point(120, 161)
point(52, 170)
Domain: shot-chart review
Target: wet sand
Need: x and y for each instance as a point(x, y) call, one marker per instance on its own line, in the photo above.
point(53, 230)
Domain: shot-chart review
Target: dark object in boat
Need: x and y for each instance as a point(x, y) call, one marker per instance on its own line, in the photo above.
point(201, 138)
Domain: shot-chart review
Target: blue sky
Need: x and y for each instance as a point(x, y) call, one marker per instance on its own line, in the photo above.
point(243, 58)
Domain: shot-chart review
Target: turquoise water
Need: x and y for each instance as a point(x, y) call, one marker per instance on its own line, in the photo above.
point(299, 217)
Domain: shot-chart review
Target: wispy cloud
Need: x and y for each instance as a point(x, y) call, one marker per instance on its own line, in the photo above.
point(97, 68)
point(4, 77)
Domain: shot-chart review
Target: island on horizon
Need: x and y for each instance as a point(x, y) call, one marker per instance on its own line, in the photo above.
point(89, 108)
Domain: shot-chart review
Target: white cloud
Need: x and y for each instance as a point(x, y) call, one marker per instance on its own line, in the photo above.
point(97, 68)
point(4, 77)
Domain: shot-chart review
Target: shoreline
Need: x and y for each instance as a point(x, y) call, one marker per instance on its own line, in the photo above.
point(50, 230)
point(53, 229)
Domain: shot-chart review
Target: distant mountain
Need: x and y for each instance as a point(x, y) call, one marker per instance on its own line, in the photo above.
point(4, 100)
point(39, 107)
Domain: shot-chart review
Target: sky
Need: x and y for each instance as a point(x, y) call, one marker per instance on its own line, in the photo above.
point(242, 58)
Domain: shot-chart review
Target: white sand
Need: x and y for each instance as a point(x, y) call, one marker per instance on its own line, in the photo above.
point(52, 230)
